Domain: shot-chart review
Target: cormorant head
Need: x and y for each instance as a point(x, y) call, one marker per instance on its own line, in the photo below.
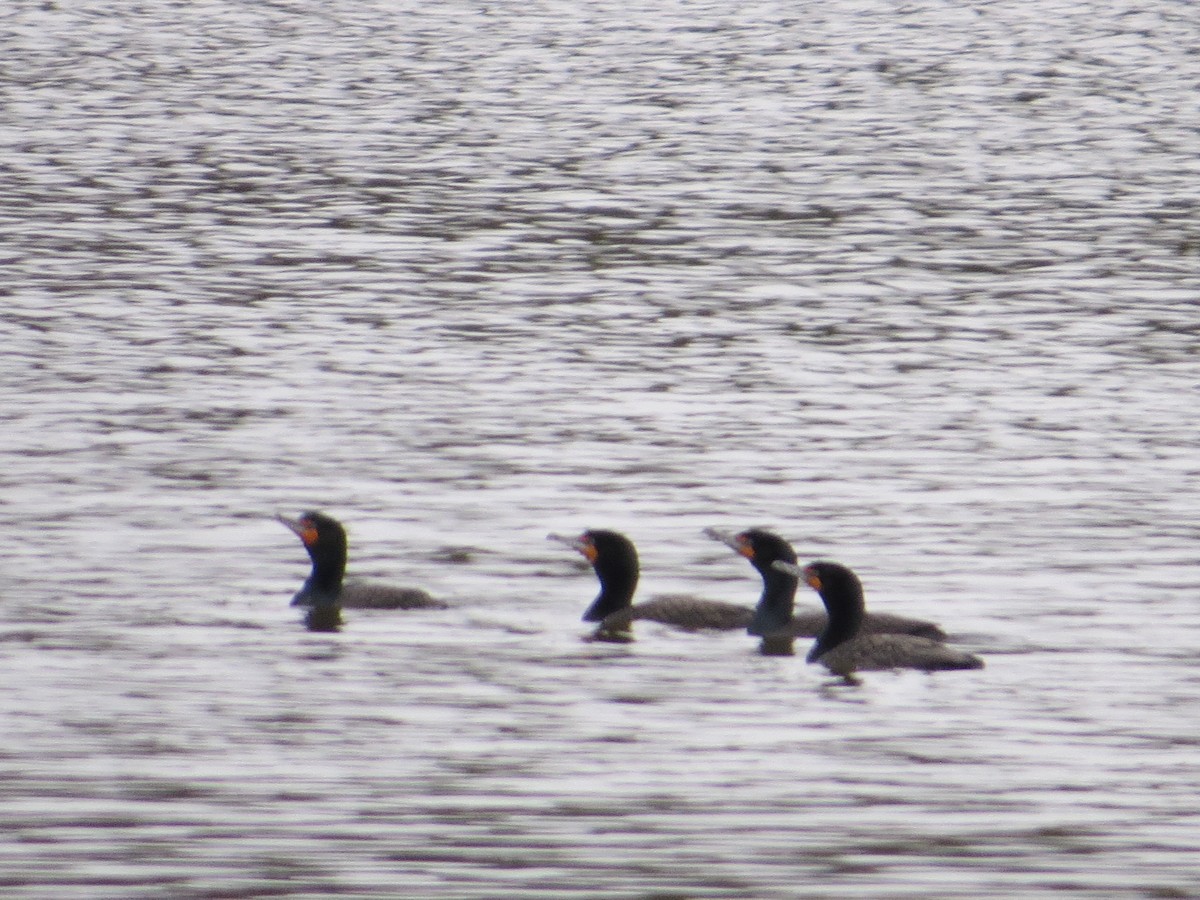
point(323, 536)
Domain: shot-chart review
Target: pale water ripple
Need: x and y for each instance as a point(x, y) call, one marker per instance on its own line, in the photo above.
point(915, 285)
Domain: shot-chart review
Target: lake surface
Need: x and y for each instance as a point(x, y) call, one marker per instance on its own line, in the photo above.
point(915, 285)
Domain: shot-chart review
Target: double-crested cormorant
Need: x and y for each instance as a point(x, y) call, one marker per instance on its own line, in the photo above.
point(325, 540)
point(844, 646)
point(615, 561)
point(776, 618)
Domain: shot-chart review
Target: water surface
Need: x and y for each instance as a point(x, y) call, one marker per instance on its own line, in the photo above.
point(913, 285)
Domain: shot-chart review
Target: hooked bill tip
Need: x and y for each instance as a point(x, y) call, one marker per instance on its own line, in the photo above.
point(293, 524)
point(579, 545)
point(728, 538)
point(303, 528)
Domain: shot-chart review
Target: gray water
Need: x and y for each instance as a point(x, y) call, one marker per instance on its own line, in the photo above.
point(913, 284)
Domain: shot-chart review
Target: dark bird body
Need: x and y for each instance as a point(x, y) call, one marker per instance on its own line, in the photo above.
point(326, 593)
point(688, 613)
point(845, 647)
point(361, 594)
point(615, 562)
point(776, 618)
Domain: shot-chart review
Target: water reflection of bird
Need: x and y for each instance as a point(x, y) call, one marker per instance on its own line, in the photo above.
point(326, 593)
point(615, 561)
point(776, 619)
point(844, 646)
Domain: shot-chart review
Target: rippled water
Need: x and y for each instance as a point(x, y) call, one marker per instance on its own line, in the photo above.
point(914, 284)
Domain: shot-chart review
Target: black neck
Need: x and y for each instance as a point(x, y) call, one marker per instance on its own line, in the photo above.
point(616, 592)
point(846, 611)
point(324, 584)
point(777, 603)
